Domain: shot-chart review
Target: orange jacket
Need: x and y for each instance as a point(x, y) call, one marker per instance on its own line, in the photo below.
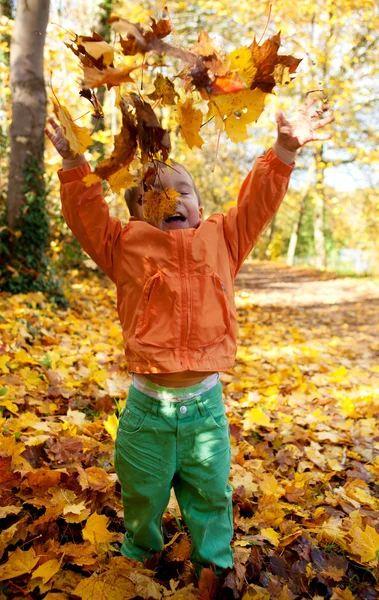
point(175, 288)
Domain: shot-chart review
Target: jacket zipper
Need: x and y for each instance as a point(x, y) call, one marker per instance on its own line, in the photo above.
point(185, 294)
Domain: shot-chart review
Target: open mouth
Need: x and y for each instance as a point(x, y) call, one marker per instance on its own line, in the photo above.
point(175, 218)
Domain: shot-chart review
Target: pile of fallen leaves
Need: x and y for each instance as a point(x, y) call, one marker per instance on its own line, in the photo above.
point(303, 406)
point(228, 89)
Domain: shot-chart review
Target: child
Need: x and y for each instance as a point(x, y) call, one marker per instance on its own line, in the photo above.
point(176, 305)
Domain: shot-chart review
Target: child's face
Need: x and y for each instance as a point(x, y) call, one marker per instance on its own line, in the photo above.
point(188, 212)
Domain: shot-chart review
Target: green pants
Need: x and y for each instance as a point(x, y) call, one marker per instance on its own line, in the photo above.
point(184, 445)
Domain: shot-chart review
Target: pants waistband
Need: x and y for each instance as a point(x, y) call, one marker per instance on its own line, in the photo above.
point(169, 394)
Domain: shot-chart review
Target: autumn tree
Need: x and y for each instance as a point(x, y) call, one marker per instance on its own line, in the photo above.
point(338, 43)
point(26, 215)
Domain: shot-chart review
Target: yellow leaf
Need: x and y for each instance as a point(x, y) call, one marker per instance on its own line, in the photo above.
point(271, 535)
point(254, 417)
point(365, 543)
point(3, 363)
point(78, 137)
point(281, 74)
point(91, 179)
point(159, 205)
point(122, 179)
point(236, 111)
point(111, 425)
point(241, 60)
point(96, 531)
point(48, 569)
point(9, 405)
point(18, 563)
point(269, 485)
point(98, 49)
point(339, 594)
point(164, 90)
point(190, 120)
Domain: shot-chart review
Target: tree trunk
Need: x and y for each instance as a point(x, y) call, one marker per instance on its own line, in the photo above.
point(28, 98)
point(296, 226)
point(319, 212)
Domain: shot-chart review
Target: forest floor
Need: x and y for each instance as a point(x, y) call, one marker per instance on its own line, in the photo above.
point(303, 407)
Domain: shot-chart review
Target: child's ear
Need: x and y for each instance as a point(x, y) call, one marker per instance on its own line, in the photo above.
point(201, 213)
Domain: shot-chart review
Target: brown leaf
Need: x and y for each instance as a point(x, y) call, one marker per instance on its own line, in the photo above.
point(125, 145)
point(181, 550)
point(266, 58)
point(208, 584)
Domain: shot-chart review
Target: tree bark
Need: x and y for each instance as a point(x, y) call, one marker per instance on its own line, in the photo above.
point(28, 98)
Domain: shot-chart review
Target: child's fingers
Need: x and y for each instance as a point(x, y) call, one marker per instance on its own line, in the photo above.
point(53, 123)
point(323, 122)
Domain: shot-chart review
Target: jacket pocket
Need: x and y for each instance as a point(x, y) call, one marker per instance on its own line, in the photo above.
point(159, 319)
point(209, 312)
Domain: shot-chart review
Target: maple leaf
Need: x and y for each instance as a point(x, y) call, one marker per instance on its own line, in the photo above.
point(152, 138)
point(93, 78)
point(242, 61)
point(138, 39)
point(125, 146)
point(48, 569)
point(157, 206)
point(164, 90)
point(235, 111)
point(78, 137)
point(19, 563)
point(365, 543)
point(92, 51)
point(208, 584)
point(271, 535)
point(96, 530)
point(190, 120)
point(266, 59)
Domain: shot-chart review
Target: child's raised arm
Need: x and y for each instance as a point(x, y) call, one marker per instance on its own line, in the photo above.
point(266, 185)
point(84, 209)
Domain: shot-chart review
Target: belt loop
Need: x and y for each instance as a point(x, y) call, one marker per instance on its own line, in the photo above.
point(154, 409)
point(201, 406)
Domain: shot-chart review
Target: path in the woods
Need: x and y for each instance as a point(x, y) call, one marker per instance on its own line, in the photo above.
point(278, 284)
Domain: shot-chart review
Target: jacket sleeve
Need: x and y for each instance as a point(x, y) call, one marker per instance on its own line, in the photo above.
point(87, 215)
point(260, 197)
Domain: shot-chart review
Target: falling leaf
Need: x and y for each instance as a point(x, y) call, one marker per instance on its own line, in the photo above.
point(164, 91)
point(78, 137)
point(233, 112)
point(93, 78)
point(157, 206)
point(190, 120)
point(241, 60)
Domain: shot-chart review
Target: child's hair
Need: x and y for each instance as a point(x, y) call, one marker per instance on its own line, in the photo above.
point(131, 194)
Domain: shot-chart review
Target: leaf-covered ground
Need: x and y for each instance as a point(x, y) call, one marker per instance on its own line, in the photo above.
point(303, 403)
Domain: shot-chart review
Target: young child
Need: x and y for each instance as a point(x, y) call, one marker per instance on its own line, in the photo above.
point(176, 306)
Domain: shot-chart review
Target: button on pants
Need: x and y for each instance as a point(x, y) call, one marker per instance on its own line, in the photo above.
point(185, 445)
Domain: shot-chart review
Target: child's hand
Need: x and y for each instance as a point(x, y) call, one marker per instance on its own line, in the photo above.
point(59, 141)
point(293, 135)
